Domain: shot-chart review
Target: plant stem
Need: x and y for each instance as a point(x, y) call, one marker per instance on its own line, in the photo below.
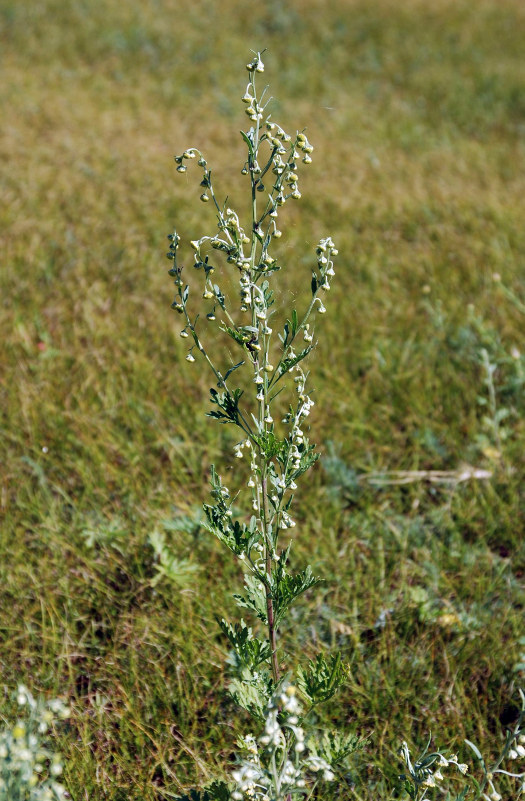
point(272, 633)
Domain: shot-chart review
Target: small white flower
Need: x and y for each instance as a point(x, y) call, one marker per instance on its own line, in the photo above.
point(190, 357)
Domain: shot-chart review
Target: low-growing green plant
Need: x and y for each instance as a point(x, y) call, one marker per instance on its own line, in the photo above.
point(425, 773)
point(29, 769)
point(278, 452)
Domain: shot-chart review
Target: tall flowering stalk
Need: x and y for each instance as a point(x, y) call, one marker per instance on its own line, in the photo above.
point(278, 452)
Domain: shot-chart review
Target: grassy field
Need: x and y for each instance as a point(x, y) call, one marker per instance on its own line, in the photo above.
point(417, 113)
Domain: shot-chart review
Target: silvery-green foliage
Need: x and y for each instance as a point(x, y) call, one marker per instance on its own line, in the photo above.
point(29, 769)
point(431, 770)
point(277, 452)
point(168, 566)
point(286, 761)
point(280, 763)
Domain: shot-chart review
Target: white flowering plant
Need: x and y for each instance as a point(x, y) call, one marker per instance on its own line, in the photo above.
point(278, 452)
point(29, 769)
point(426, 772)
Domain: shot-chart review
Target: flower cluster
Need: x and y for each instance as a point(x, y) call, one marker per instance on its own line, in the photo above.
point(517, 751)
point(28, 769)
point(278, 763)
point(425, 772)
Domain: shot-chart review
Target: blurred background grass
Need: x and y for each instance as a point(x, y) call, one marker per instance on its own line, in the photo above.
point(418, 118)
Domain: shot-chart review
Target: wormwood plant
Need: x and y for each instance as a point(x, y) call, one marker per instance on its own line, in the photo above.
point(286, 759)
point(425, 773)
point(284, 756)
point(29, 770)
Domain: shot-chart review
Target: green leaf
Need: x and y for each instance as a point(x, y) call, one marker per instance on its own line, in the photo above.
point(290, 329)
point(268, 294)
point(250, 651)
point(230, 371)
point(252, 695)
point(179, 571)
point(308, 458)
point(255, 598)
point(475, 749)
point(315, 283)
point(242, 335)
point(216, 791)
point(287, 364)
point(321, 679)
point(336, 746)
point(228, 405)
point(249, 143)
point(286, 587)
point(237, 536)
point(271, 446)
